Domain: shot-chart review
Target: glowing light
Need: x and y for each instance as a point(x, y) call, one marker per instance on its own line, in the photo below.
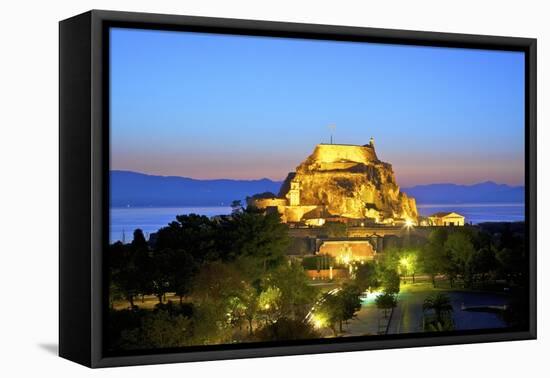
point(409, 223)
point(345, 259)
point(318, 321)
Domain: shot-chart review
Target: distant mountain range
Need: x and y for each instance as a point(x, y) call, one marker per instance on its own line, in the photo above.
point(485, 192)
point(138, 189)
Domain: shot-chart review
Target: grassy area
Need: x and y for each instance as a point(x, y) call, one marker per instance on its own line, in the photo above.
point(424, 283)
point(147, 302)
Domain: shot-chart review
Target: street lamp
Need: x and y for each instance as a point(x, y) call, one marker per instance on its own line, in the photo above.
point(318, 321)
point(408, 226)
point(404, 264)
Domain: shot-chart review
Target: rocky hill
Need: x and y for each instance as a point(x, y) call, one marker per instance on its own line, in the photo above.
point(350, 181)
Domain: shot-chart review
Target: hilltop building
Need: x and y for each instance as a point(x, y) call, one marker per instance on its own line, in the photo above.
point(344, 182)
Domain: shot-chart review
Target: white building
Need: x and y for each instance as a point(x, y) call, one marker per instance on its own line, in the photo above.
point(446, 219)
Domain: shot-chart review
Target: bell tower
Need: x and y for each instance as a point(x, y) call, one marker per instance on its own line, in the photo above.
point(294, 193)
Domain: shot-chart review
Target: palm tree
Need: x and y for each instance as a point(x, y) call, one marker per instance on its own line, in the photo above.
point(439, 327)
point(440, 304)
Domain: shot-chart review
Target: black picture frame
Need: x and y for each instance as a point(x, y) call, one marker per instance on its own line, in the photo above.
point(84, 180)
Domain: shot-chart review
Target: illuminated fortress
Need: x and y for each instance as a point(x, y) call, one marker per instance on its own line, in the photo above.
point(341, 181)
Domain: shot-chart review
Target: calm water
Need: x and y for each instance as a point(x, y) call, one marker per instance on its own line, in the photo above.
point(125, 220)
point(408, 316)
point(478, 213)
point(465, 320)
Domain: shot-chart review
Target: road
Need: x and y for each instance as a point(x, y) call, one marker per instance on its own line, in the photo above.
point(408, 315)
point(369, 320)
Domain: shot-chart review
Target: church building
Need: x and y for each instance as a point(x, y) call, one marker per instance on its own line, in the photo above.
point(446, 219)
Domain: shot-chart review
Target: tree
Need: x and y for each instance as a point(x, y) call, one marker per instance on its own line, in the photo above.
point(263, 195)
point(391, 281)
point(129, 267)
point(408, 263)
point(219, 293)
point(351, 302)
point(250, 299)
point(433, 257)
point(390, 259)
point(269, 304)
point(513, 255)
point(297, 296)
point(440, 304)
point(438, 237)
point(236, 311)
point(336, 308)
point(158, 329)
point(182, 271)
point(143, 263)
point(459, 249)
point(260, 238)
point(218, 281)
point(432, 260)
point(446, 326)
point(123, 274)
point(115, 294)
point(482, 263)
point(236, 206)
point(386, 302)
point(512, 265)
point(367, 275)
point(139, 241)
point(162, 272)
point(286, 329)
point(330, 311)
point(195, 234)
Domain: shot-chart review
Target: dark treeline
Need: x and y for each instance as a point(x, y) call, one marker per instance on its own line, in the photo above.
point(234, 283)
point(477, 256)
point(231, 276)
point(489, 256)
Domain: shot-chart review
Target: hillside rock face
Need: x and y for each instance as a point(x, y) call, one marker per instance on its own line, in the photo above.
point(348, 181)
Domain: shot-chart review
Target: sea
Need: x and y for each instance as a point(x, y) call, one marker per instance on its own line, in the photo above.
point(124, 220)
point(478, 212)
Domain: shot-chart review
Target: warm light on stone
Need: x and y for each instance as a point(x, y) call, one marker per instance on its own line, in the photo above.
point(347, 181)
point(347, 251)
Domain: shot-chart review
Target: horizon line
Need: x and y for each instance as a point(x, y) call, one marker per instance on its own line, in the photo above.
point(282, 180)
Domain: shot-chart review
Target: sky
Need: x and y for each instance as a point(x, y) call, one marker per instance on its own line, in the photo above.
point(219, 106)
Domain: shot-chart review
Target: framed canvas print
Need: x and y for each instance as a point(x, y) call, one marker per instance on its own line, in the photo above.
point(235, 188)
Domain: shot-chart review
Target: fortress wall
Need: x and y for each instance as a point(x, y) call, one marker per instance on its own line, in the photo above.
point(262, 203)
point(295, 213)
point(335, 166)
point(330, 153)
point(352, 250)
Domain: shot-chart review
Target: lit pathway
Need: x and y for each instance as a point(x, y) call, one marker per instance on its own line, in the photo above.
point(368, 321)
point(408, 315)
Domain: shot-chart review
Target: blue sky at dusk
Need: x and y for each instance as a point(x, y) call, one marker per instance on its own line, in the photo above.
point(214, 106)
